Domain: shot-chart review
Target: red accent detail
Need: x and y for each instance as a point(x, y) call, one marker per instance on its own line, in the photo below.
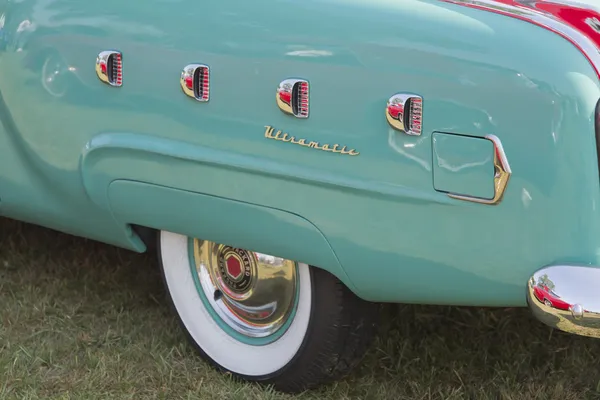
point(416, 109)
point(189, 82)
point(286, 97)
point(119, 66)
point(234, 268)
point(544, 293)
point(395, 110)
point(304, 98)
point(204, 76)
point(498, 154)
point(103, 67)
point(570, 15)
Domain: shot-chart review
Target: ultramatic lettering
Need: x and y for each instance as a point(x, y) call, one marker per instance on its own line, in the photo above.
point(284, 137)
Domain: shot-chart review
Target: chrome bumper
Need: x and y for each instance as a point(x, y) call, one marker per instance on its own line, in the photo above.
point(567, 297)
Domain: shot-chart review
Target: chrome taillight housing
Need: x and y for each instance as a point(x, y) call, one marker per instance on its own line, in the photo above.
point(293, 97)
point(195, 81)
point(109, 67)
point(404, 112)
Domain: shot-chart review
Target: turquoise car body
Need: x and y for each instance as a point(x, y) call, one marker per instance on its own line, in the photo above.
point(96, 161)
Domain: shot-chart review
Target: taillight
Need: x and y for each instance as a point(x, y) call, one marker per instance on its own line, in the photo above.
point(109, 67)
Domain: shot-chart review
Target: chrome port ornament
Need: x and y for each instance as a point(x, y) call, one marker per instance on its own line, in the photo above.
point(109, 67)
point(502, 173)
point(195, 81)
point(293, 97)
point(404, 112)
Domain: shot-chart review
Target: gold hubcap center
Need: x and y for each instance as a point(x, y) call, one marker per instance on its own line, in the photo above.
point(253, 293)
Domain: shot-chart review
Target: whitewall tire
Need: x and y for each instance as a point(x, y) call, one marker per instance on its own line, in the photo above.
point(263, 318)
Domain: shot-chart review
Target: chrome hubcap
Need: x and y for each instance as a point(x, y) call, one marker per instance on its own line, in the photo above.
point(253, 293)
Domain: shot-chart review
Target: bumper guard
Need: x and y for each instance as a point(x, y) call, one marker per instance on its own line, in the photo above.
point(567, 297)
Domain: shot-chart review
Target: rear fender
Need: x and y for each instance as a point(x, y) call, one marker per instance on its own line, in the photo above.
point(140, 193)
point(226, 221)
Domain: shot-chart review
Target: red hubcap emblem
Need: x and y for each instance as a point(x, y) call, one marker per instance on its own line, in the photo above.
point(234, 267)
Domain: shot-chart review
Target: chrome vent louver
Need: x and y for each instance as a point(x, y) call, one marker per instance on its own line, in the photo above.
point(195, 81)
point(293, 97)
point(109, 67)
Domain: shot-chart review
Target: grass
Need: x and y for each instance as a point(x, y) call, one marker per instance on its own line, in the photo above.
point(84, 320)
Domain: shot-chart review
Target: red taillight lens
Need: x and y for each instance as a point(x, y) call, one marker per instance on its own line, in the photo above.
point(203, 83)
point(118, 69)
point(303, 99)
point(415, 117)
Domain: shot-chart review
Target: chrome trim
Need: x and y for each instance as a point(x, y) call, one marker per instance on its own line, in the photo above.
point(593, 23)
point(284, 137)
point(188, 76)
point(258, 299)
point(573, 295)
point(287, 102)
point(402, 118)
point(524, 10)
point(102, 67)
point(501, 176)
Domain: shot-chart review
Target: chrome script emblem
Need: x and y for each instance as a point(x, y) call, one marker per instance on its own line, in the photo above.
point(284, 137)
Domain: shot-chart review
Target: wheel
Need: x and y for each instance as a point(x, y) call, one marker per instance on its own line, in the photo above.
point(547, 302)
point(262, 318)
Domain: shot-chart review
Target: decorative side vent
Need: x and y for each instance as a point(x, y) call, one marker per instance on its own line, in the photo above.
point(404, 112)
point(293, 97)
point(109, 67)
point(195, 81)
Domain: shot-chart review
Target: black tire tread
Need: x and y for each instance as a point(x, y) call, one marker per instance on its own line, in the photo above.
point(339, 335)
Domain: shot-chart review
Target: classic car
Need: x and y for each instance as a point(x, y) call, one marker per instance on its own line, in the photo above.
point(547, 296)
point(294, 177)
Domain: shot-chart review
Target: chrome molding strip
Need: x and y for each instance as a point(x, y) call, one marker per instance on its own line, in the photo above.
point(502, 174)
point(525, 10)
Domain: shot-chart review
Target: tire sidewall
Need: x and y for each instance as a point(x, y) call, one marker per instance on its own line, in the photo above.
point(257, 363)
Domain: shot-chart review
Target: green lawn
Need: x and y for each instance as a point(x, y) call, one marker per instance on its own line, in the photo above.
point(85, 320)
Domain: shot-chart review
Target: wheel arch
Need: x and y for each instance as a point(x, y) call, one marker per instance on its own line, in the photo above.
point(148, 182)
point(263, 229)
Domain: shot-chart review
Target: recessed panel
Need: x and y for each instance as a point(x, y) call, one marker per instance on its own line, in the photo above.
point(463, 165)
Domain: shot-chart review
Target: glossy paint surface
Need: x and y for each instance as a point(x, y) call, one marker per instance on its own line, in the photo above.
point(375, 220)
point(463, 165)
point(575, 20)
